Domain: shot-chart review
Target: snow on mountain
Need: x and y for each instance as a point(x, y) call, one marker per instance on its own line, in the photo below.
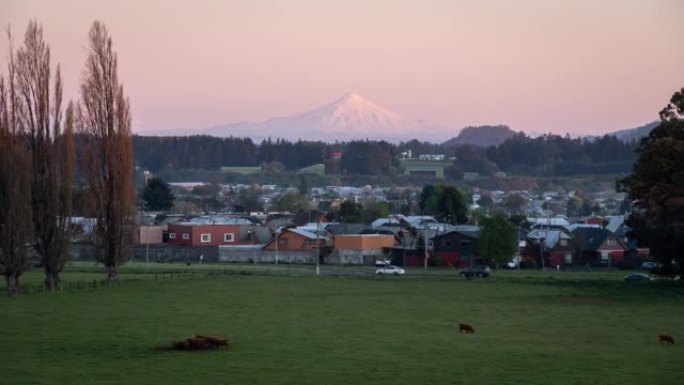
point(350, 117)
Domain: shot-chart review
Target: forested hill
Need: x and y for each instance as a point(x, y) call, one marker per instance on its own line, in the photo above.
point(635, 133)
point(542, 156)
point(482, 136)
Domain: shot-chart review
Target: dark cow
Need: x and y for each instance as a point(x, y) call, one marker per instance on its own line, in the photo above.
point(465, 327)
point(196, 343)
point(200, 342)
point(665, 338)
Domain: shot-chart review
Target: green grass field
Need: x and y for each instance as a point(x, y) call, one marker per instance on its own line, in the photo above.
point(531, 328)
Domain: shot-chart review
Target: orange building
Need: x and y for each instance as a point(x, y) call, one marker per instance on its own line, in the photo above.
point(363, 241)
point(296, 240)
point(362, 249)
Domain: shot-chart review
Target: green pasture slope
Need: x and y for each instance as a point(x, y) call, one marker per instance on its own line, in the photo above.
point(531, 328)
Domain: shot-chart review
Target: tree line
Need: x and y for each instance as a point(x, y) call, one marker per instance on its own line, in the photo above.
point(522, 155)
point(38, 158)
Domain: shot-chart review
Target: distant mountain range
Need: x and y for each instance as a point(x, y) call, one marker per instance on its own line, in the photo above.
point(353, 117)
point(348, 118)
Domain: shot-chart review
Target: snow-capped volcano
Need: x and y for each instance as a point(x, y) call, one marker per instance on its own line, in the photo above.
point(350, 117)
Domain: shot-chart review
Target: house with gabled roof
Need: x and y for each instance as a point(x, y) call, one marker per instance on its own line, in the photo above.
point(552, 245)
point(294, 239)
point(298, 246)
point(458, 247)
point(598, 247)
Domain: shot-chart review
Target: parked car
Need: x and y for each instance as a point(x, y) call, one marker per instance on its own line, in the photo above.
point(650, 265)
point(389, 269)
point(512, 264)
point(638, 277)
point(481, 271)
point(382, 262)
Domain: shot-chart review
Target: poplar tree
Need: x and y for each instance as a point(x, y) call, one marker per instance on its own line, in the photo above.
point(15, 183)
point(104, 121)
point(51, 149)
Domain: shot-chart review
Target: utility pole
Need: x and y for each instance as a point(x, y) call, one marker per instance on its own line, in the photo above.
point(147, 247)
point(541, 249)
point(517, 249)
point(425, 234)
point(318, 248)
point(276, 242)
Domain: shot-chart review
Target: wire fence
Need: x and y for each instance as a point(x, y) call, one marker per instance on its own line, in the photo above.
point(83, 277)
point(101, 284)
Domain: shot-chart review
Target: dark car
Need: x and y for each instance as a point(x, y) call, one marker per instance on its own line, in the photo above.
point(481, 271)
point(638, 277)
point(651, 266)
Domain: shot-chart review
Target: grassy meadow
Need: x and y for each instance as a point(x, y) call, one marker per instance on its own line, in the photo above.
point(531, 328)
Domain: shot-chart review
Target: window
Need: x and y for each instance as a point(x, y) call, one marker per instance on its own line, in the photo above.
point(563, 242)
point(172, 235)
point(465, 243)
point(205, 238)
point(447, 243)
point(282, 241)
point(228, 237)
point(186, 236)
point(612, 242)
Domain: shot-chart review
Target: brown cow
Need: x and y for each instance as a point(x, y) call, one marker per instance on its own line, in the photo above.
point(465, 327)
point(196, 343)
point(665, 338)
point(215, 342)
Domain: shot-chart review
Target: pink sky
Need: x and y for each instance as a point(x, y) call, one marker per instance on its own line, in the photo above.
point(581, 66)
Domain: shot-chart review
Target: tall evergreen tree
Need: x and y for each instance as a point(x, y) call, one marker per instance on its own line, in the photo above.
point(497, 239)
point(445, 202)
point(157, 195)
point(656, 186)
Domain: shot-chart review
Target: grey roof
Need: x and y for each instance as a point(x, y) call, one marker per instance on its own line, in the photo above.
point(576, 226)
point(386, 222)
point(306, 234)
point(550, 237)
point(557, 221)
point(217, 220)
point(614, 223)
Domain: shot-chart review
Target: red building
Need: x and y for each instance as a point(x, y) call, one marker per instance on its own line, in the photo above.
point(191, 234)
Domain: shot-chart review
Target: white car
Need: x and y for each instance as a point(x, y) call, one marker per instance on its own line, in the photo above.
point(393, 270)
point(382, 262)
